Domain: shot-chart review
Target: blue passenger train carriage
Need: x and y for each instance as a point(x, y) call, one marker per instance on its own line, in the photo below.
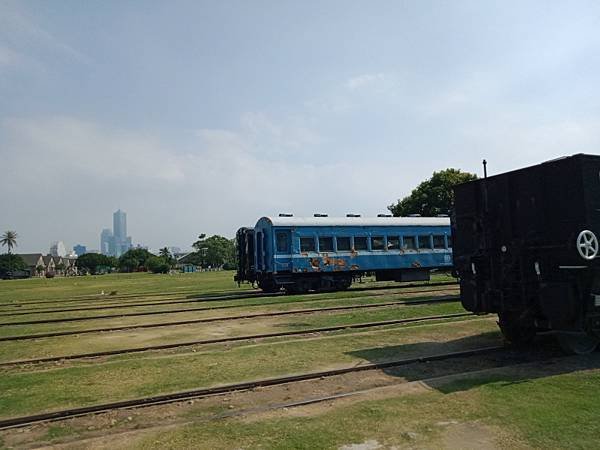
point(302, 254)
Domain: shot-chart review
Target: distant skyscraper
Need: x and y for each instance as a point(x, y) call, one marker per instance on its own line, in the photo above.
point(120, 226)
point(107, 245)
point(58, 249)
point(80, 249)
point(116, 242)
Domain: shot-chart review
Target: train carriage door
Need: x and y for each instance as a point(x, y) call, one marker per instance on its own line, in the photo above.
point(283, 250)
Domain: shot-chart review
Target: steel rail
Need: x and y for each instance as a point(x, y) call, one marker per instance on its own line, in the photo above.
point(249, 337)
point(229, 388)
point(443, 299)
point(100, 297)
point(239, 295)
point(168, 302)
point(178, 311)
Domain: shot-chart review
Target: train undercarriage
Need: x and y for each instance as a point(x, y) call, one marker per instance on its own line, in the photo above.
point(301, 283)
point(567, 306)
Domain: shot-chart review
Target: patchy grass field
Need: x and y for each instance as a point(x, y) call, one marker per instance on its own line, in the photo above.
point(476, 402)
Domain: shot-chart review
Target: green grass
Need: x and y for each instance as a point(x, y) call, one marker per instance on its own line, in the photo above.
point(281, 303)
point(58, 288)
point(554, 412)
point(551, 412)
point(29, 392)
point(87, 289)
point(94, 342)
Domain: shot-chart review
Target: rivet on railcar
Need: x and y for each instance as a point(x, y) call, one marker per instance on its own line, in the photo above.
point(526, 248)
point(321, 253)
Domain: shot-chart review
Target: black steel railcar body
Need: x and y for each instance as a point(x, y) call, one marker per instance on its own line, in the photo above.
point(244, 239)
point(526, 247)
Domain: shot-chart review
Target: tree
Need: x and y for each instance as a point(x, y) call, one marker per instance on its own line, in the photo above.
point(157, 264)
point(215, 251)
point(134, 260)
point(92, 262)
point(112, 262)
point(164, 253)
point(433, 196)
point(9, 239)
point(10, 263)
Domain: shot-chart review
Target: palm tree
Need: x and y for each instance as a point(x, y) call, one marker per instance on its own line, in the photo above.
point(164, 253)
point(9, 239)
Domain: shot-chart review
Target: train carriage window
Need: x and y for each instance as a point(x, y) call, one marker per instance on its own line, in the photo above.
point(393, 243)
point(360, 243)
point(343, 244)
point(449, 238)
point(325, 244)
point(409, 243)
point(282, 242)
point(307, 244)
point(439, 242)
point(425, 242)
point(377, 243)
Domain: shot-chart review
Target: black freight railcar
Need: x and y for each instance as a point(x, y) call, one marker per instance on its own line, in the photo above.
point(526, 247)
point(244, 239)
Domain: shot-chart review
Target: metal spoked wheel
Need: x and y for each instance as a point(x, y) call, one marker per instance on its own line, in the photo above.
point(577, 343)
point(587, 245)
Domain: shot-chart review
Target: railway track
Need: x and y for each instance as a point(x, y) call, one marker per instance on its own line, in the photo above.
point(362, 325)
point(132, 305)
point(443, 299)
point(230, 388)
point(236, 295)
point(176, 311)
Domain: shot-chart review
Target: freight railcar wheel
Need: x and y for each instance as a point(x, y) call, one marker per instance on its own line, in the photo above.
point(516, 331)
point(577, 343)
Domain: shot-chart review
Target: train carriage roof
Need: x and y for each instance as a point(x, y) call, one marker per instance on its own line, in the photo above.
point(357, 221)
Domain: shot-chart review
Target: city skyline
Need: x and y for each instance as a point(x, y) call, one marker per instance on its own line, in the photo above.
point(115, 242)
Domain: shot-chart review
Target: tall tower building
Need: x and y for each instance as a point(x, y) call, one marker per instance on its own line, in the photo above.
point(120, 226)
point(122, 242)
point(116, 242)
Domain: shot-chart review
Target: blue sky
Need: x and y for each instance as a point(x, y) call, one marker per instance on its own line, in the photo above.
point(203, 116)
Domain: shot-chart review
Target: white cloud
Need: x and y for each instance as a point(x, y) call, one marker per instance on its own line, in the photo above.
point(364, 80)
point(76, 173)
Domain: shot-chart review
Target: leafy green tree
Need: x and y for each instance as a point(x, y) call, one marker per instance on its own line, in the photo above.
point(39, 269)
point(166, 255)
point(433, 196)
point(9, 239)
point(11, 263)
point(157, 264)
point(134, 260)
point(92, 262)
point(215, 251)
point(112, 262)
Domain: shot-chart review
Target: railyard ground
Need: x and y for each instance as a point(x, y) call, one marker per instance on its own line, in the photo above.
point(474, 402)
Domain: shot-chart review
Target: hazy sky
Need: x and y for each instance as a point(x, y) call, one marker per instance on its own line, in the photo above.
point(200, 116)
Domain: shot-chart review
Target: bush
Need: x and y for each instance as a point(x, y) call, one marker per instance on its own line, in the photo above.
point(157, 265)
